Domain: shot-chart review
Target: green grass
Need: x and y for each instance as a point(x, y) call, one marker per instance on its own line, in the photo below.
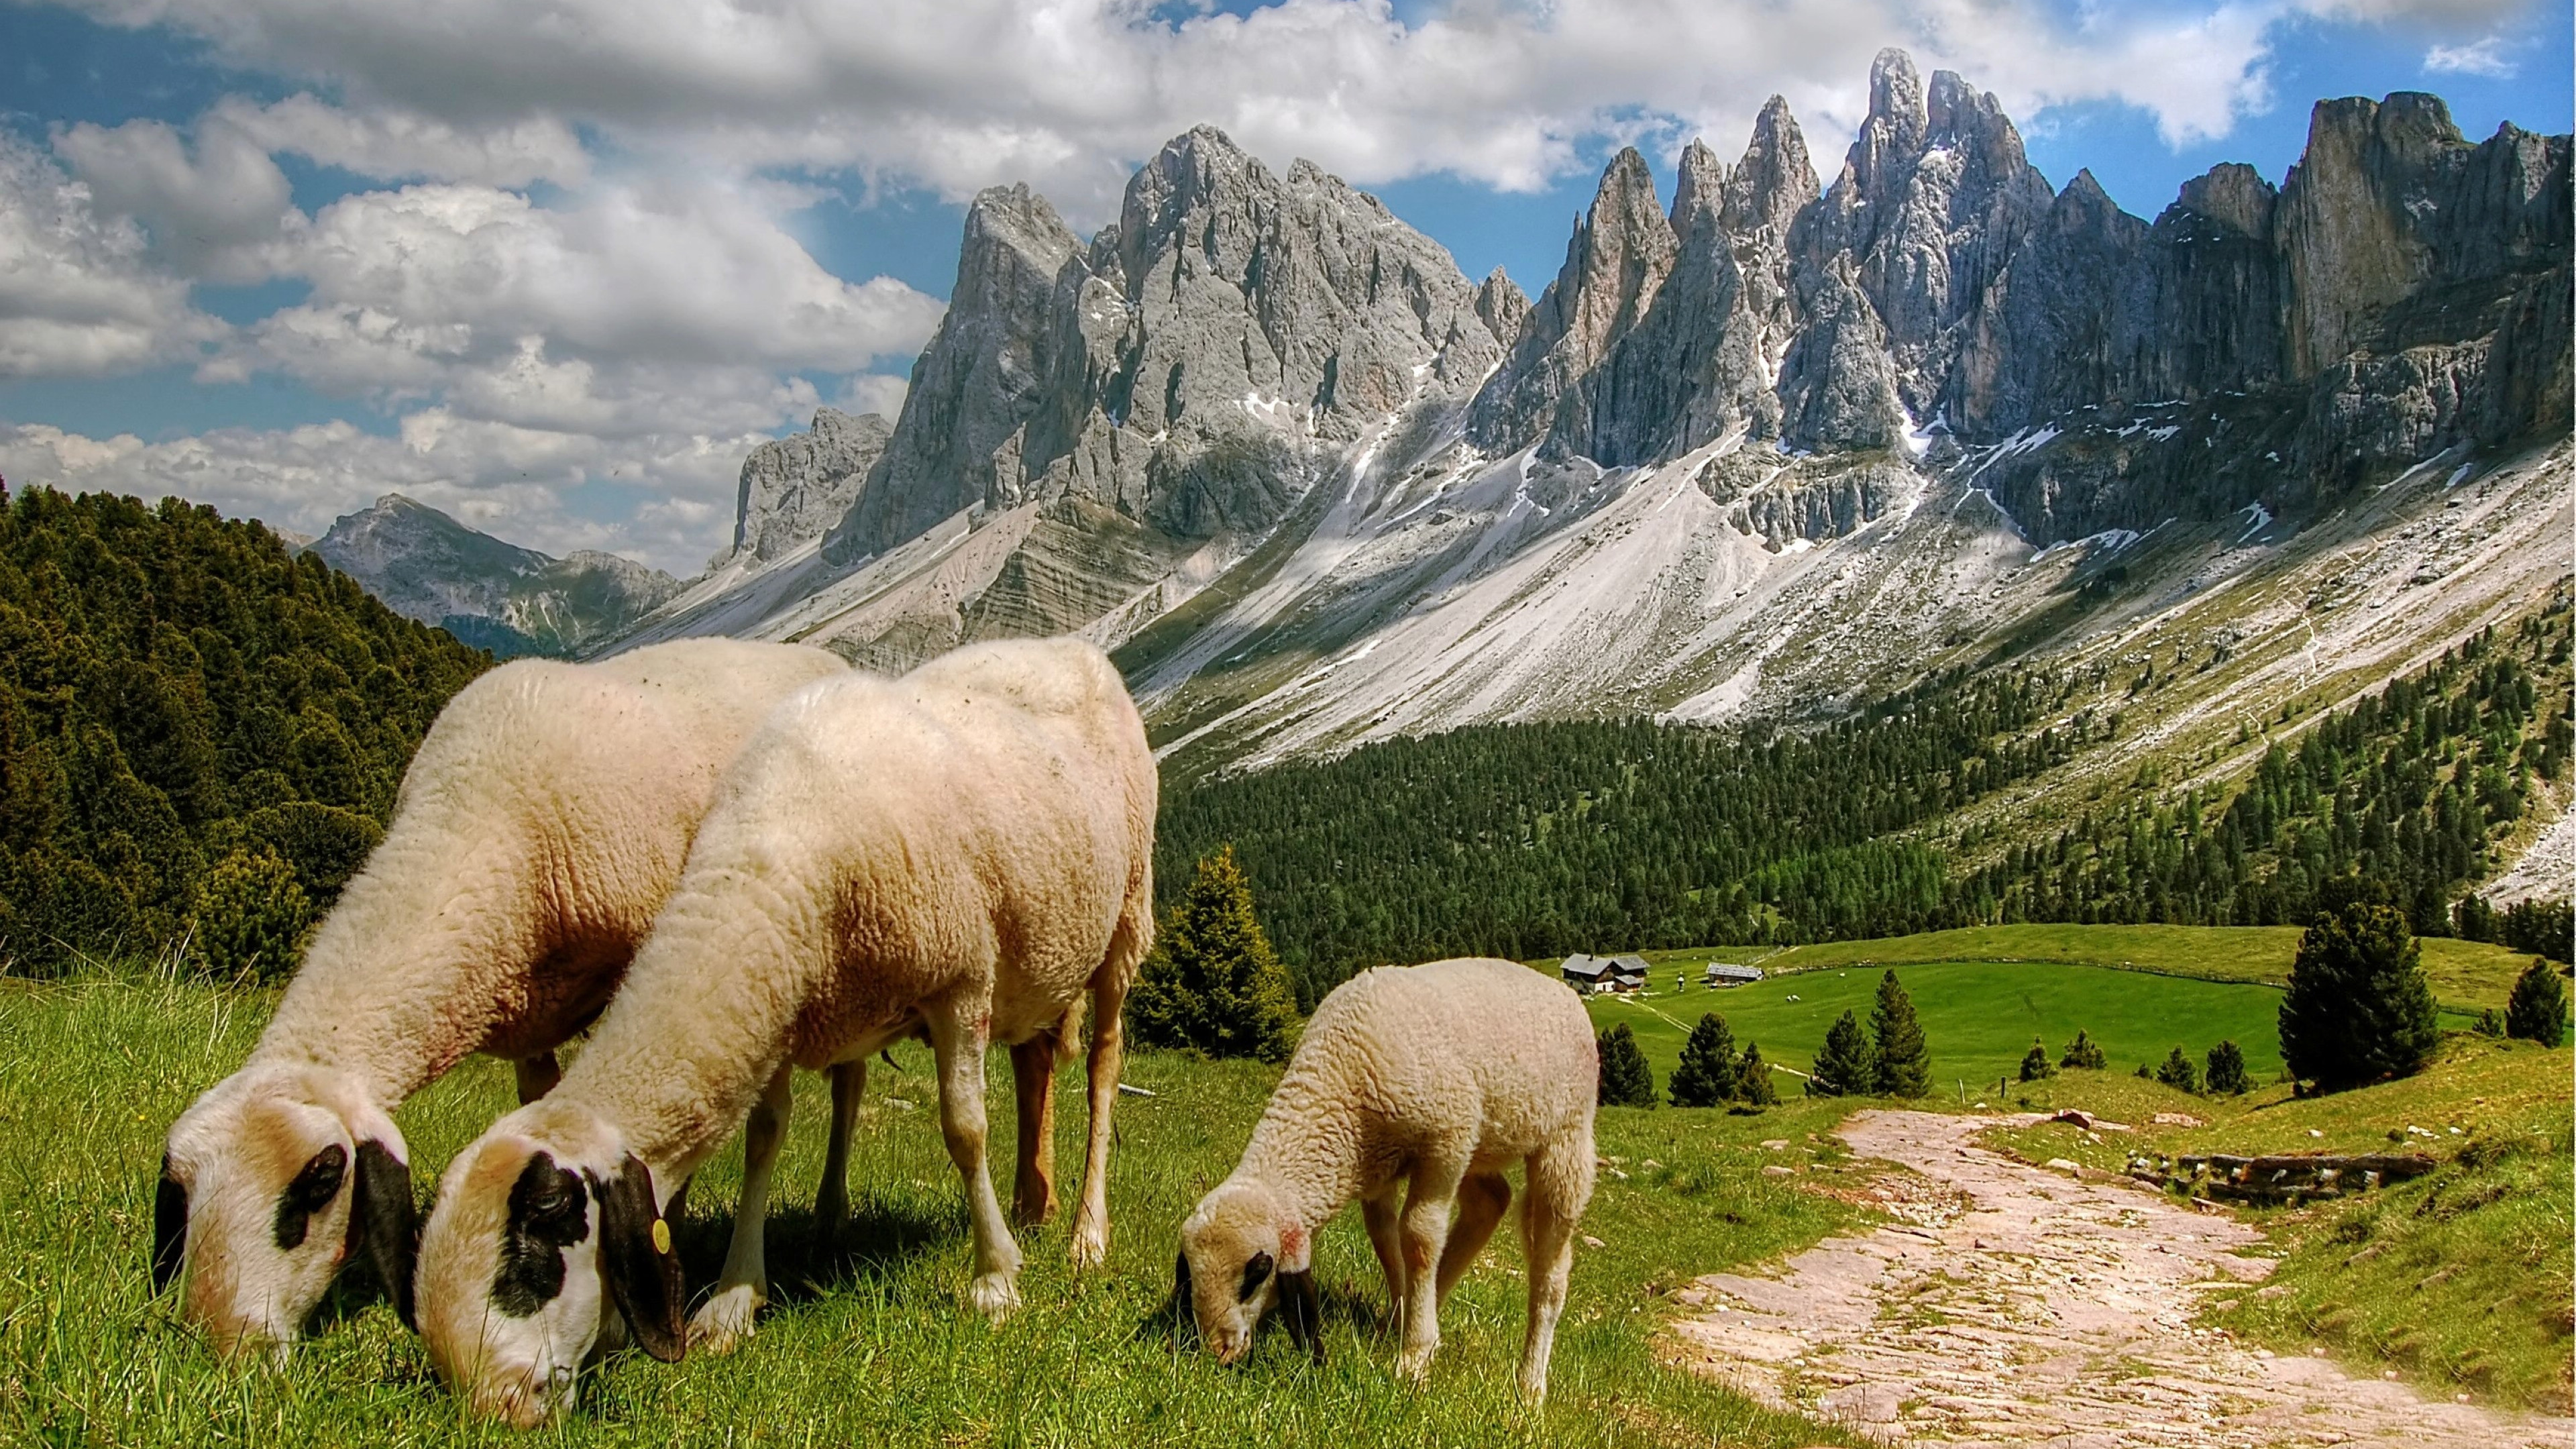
point(2467, 976)
point(870, 1347)
point(1978, 1016)
point(2460, 1278)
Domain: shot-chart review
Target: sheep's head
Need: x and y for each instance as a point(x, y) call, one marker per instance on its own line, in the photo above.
point(1241, 1252)
point(546, 1239)
point(270, 1182)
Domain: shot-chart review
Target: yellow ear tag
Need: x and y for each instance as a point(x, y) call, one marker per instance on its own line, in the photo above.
point(661, 1236)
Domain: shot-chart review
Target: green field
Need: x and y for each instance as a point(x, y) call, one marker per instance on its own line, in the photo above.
point(870, 1347)
point(2467, 976)
point(1978, 1016)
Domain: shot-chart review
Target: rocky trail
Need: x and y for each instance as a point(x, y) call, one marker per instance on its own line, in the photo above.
point(2012, 1305)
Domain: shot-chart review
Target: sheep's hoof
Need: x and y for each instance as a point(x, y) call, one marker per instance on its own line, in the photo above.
point(1414, 1364)
point(1534, 1393)
point(994, 1295)
point(724, 1321)
point(1090, 1246)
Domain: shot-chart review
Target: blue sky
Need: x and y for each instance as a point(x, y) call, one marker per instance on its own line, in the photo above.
point(283, 255)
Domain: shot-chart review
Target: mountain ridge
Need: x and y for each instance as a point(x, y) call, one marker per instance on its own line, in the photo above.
point(427, 566)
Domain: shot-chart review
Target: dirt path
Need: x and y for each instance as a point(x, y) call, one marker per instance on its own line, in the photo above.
point(2010, 1305)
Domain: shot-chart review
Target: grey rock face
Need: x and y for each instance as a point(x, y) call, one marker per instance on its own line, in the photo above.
point(797, 487)
point(1177, 368)
point(427, 566)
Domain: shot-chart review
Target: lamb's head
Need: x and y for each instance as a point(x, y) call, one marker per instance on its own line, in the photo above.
point(1241, 1252)
point(270, 1181)
point(547, 1238)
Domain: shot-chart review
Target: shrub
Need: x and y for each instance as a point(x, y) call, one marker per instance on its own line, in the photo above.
point(2358, 1008)
point(1706, 1075)
point(2227, 1071)
point(1212, 982)
point(2178, 1073)
point(2084, 1052)
point(1753, 1079)
point(2537, 1010)
point(1626, 1080)
point(2145, 1075)
point(1904, 1062)
point(2035, 1065)
point(1848, 1064)
point(250, 918)
point(2489, 1024)
point(2543, 928)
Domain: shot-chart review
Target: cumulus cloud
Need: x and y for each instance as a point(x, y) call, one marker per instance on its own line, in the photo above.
point(674, 491)
point(2485, 57)
point(79, 297)
point(216, 208)
point(389, 144)
point(965, 93)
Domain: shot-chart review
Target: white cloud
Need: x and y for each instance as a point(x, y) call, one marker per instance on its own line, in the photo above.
point(1068, 95)
point(384, 144)
point(78, 296)
point(2485, 57)
point(217, 209)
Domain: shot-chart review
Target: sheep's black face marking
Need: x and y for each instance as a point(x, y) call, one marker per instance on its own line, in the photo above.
point(314, 1185)
point(1255, 1273)
point(169, 1227)
point(549, 1212)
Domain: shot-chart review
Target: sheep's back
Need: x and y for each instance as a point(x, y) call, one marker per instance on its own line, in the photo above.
point(1427, 1047)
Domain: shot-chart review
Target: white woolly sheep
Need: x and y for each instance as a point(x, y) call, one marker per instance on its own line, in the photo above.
point(544, 818)
point(962, 853)
point(1446, 1074)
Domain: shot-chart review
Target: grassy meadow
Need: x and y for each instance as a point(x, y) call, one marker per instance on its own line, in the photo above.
point(869, 1346)
point(1978, 1016)
point(2459, 1279)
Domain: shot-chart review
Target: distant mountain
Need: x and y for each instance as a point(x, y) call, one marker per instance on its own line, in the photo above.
point(1775, 448)
point(427, 566)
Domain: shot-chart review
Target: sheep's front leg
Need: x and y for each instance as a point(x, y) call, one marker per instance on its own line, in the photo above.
point(1560, 1181)
point(725, 1319)
point(1108, 1058)
point(1482, 1199)
point(537, 1076)
point(959, 1042)
point(1382, 1214)
point(832, 1200)
point(1425, 1231)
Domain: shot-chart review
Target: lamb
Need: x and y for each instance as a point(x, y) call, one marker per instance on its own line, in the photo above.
point(963, 853)
point(1445, 1073)
point(545, 816)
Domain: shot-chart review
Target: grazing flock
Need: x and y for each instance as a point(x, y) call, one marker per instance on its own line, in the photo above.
point(726, 860)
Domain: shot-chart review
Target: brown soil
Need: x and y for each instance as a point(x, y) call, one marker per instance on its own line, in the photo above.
point(2014, 1305)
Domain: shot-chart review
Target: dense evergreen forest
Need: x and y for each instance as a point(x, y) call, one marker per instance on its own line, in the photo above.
point(1533, 840)
point(175, 687)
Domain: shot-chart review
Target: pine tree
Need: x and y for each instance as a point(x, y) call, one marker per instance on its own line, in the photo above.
point(2035, 1065)
point(2489, 1023)
point(1706, 1075)
point(2084, 1052)
point(1626, 1080)
point(1848, 1064)
point(2227, 1070)
point(1753, 1079)
point(1904, 1062)
point(2537, 1011)
point(2358, 1008)
point(2178, 1073)
point(250, 919)
point(1212, 982)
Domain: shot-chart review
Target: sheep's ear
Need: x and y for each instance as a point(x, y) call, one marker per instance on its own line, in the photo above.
point(637, 1259)
point(169, 1227)
point(385, 1223)
point(1304, 1308)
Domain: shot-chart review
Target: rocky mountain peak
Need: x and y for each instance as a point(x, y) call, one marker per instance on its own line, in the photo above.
point(795, 488)
point(1501, 305)
point(2233, 195)
point(427, 566)
point(1774, 180)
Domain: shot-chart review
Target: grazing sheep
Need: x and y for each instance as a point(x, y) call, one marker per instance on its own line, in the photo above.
point(545, 817)
point(962, 853)
point(1446, 1074)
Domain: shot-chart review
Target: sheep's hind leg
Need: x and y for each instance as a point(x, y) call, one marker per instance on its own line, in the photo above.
point(1382, 1215)
point(1108, 1059)
point(725, 1319)
point(1560, 1181)
point(960, 1047)
point(1033, 1076)
point(1482, 1200)
point(1428, 1209)
point(832, 1200)
point(537, 1076)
